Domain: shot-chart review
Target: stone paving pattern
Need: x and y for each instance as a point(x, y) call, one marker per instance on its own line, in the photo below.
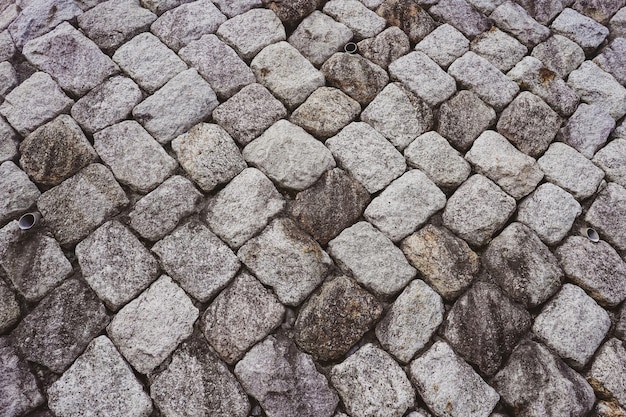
point(241, 219)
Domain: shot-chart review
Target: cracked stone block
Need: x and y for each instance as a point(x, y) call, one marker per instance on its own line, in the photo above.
point(386, 47)
point(209, 155)
point(559, 54)
point(250, 32)
point(61, 326)
point(181, 103)
point(8, 142)
point(406, 204)
point(363, 22)
point(107, 104)
point(522, 265)
point(17, 192)
point(287, 259)
point(588, 129)
point(414, 21)
point(219, 64)
point(149, 328)
point(484, 326)
point(356, 76)
point(232, 8)
point(570, 170)
point(612, 59)
point(201, 263)
point(100, 381)
point(606, 215)
point(8, 78)
point(178, 27)
point(134, 157)
point(598, 87)
point(398, 115)
point(502, 50)
point(463, 118)
point(240, 316)
point(367, 155)
point(287, 154)
point(482, 78)
point(544, 10)
point(243, 207)
point(372, 259)
point(371, 382)
point(160, 6)
point(462, 16)
point(617, 24)
point(550, 211)
point(111, 23)
point(325, 112)
point(411, 321)
point(496, 158)
point(537, 383)
point(443, 45)
point(34, 102)
point(9, 309)
point(285, 381)
point(573, 325)
point(81, 203)
point(19, 392)
point(319, 36)
point(608, 369)
point(477, 210)
point(335, 318)
point(158, 213)
point(512, 18)
point(209, 389)
point(449, 386)
point(612, 160)
point(286, 73)
point(115, 264)
point(583, 30)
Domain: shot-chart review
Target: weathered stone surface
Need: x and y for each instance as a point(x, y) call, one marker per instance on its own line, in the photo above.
point(240, 316)
point(180, 104)
point(99, 381)
point(113, 22)
point(522, 265)
point(512, 18)
point(8, 142)
point(607, 409)
point(588, 129)
point(617, 24)
point(19, 392)
point(319, 36)
point(462, 16)
point(606, 214)
point(80, 204)
point(160, 6)
point(612, 160)
point(620, 327)
point(335, 318)
point(200, 262)
point(559, 54)
point(408, 16)
point(233, 8)
point(209, 387)
point(443, 45)
point(536, 383)
point(502, 50)
point(583, 30)
point(7, 48)
point(55, 332)
point(595, 86)
point(286, 259)
point(463, 118)
point(411, 321)
point(17, 192)
point(371, 382)
point(612, 59)
point(600, 10)
point(352, 13)
point(286, 73)
point(9, 309)
point(544, 10)
point(292, 12)
point(8, 78)
point(449, 386)
point(149, 328)
point(608, 370)
point(23, 106)
point(386, 47)
point(252, 31)
point(372, 259)
point(285, 381)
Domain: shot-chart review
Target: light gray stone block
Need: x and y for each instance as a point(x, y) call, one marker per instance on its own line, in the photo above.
point(17, 192)
point(9, 309)
point(8, 141)
point(356, 76)
point(608, 370)
point(617, 24)
point(386, 47)
point(512, 18)
point(412, 19)
point(606, 215)
point(8, 78)
point(19, 392)
point(559, 54)
point(443, 45)
point(7, 48)
point(232, 8)
point(583, 30)
point(598, 87)
point(250, 32)
point(544, 10)
point(462, 16)
point(612, 160)
point(502, 50)
point(161, 6)
point(612, 59)
point(352, 13)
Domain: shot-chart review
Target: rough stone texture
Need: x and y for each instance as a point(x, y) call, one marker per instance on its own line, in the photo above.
point(570, 170)
point(286, 259)
point(240, 316)
point(19, 392)
point(408, 16)
point(422, 76)
point(372, 259)
point(443, 45)
point(107, 104)
point(160, 6)
point(8, 78)
point(286, 73)
point(462, 16)
point(612, 59)
point(252, 31)
point(243, 208)
point(411, 321)
point(477, 210)
point(544, 10)
point(285, 381)
point(149, 328)
point(209, 387)
point(573, 325)
point(367, 156)
point(55, 332)
point(406, 204)
point(620, 328)
point(335, 318)
point(17, 192)
point(617, 24)
point(209, 155)
point(522, 266)
point(292, 12)
point(9, 309)
point(559, 54)
point(22, 106)
point(7, 48)
point(115, 264)
point(80, 204)
point(600, 10)
point(330, 205)
point(200, 262)
point(502, 50)
point(158, 213)
point(606, 215)
point(537, 383)
point(135, 158)
point(449, 386)
point(233, 8)
point(512, 18)
point(101, 382)
point(608, 370)
point(463, 118)
point(180, 104)
point(607, 409)
point(8, 142)
point(595, 86)
point(352, 13)
point(583, 30)
point(370, 382)
point(588, 129)
point(612, 160)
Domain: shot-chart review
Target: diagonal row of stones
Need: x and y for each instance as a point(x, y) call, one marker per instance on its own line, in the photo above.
point(259, 224)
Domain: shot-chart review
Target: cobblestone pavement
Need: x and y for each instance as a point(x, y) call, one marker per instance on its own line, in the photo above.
point(313, 208)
